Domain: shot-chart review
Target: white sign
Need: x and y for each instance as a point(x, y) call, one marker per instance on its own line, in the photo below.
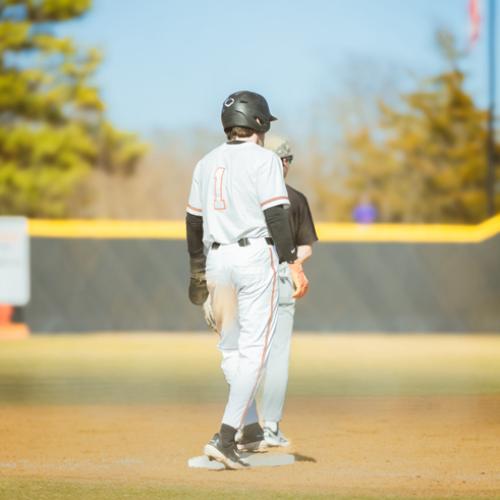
point(14, 261)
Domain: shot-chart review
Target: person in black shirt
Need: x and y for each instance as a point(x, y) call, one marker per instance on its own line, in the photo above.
point(275, 380)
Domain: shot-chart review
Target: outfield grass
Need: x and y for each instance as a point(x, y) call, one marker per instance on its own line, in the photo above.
point(185, 367)
point(36, 489)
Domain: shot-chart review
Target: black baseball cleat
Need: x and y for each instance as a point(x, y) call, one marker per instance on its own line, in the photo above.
point(251, 439)
point(228, 456)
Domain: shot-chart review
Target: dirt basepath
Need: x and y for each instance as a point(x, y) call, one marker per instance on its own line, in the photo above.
point(422, 446)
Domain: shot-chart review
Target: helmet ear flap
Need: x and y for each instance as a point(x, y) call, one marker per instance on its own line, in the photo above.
point(264, 125)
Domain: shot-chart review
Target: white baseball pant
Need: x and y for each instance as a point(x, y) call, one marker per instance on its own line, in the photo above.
point(243, 283)
point(275, 380)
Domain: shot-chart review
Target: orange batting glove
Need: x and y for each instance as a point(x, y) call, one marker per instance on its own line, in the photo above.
point(299, 279)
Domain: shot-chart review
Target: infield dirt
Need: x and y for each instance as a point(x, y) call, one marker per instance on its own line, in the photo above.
point(376, 446)
point(427, 446)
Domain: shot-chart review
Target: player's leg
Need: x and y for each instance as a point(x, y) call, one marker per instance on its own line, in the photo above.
point(228, 344)
point(222, 446)
point(250, 437)
point(275, 376)
point(274, 385)
point(228, 347)
point(224, 307)
point(257, 311)
point(275, 381)
point(253, 274)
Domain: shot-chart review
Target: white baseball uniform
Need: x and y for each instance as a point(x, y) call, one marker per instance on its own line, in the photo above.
point(231, 187)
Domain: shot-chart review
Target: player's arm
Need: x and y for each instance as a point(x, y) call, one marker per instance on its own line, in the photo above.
point(273, 198)
point(304, 252)
point(274, 201)
point(198, 291)
point(279, 229)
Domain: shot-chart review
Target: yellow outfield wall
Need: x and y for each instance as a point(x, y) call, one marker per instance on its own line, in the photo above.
point(327, 232)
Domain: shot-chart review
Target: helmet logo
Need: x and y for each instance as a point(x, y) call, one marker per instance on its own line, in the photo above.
point(229, 102)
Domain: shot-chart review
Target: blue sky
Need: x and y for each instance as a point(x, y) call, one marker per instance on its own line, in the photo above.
point(170, 64)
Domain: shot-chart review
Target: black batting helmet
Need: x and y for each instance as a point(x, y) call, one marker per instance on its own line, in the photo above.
point(246, 109)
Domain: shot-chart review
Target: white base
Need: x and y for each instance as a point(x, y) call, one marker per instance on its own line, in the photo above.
point(254, 459)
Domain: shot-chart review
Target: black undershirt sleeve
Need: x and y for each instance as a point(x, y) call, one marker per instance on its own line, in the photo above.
point(198, 291)
point(194, 234)
point(279, 228)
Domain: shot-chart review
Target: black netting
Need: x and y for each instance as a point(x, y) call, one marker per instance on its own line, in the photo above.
point(127, 285)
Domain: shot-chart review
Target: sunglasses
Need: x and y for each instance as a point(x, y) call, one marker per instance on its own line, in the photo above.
point(288, 159)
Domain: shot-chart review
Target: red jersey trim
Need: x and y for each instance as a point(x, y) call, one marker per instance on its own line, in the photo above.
point(195, 209)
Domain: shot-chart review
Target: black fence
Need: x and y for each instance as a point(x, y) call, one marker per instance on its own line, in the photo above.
point(81, 285)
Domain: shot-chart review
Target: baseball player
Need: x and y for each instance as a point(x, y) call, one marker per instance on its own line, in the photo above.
point(237, 234)
point(276, 376)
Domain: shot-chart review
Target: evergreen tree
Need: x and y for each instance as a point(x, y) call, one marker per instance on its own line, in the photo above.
point(53, 129)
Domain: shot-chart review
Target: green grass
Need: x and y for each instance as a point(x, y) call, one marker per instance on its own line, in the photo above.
point(128, 369)
point(36, 489)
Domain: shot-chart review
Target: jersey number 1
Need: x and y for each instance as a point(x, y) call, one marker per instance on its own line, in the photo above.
point(219, 202)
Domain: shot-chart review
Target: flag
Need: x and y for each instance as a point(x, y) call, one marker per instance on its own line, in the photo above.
point(474, 22)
